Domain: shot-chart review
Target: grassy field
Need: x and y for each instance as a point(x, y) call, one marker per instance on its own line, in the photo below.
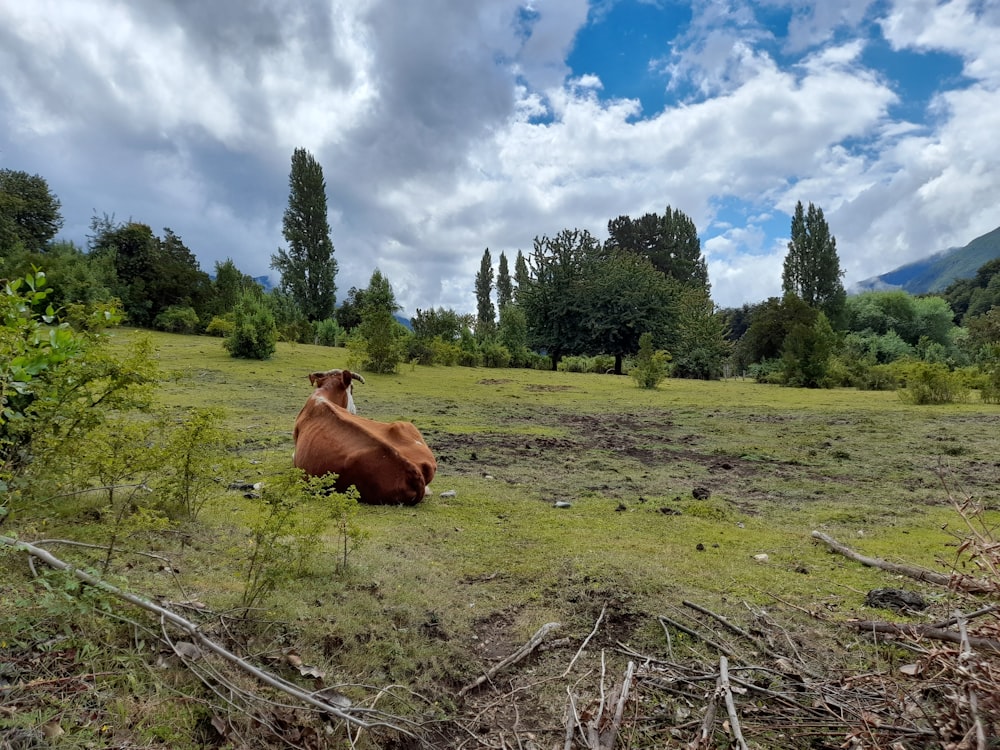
point(673, 495)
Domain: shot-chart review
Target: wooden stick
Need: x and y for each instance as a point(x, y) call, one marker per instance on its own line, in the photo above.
point(963, 582)
point(192, 630)
point(966, 658)
point(734, 719)
point(586, 640)
point(694, 634)
point(923, 631)
point(514, 658)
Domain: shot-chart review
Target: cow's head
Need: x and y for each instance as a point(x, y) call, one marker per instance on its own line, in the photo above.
point(335, 386)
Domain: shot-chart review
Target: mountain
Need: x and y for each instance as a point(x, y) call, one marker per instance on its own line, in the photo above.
point(935, 272)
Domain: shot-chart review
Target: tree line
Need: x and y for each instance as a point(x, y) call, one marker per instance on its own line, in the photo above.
point(572, 302)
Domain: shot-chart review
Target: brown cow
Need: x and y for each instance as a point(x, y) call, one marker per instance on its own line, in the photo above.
point(389, 463)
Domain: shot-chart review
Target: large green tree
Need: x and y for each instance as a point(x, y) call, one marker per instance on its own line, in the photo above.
point(812, 268)
point(486, 323)
point(307, 267)
point(670, 242)
point(29, 211)
point(522, 276)
point(554, 298)
point(624, 296)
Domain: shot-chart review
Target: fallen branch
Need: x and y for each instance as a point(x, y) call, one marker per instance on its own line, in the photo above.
point(193, 631)
point(923, 631)
point(514, 658)
point(727, 689)
point(919, 574)
point(664, 620)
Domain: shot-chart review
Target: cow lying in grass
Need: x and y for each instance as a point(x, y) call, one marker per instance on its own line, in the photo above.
point(389, 463)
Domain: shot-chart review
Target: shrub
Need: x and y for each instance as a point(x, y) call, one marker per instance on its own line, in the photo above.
point(602, 364)
point(329, 333)
point(932, 383)
point(651, 366)
point(255, 334)
point(539, 361)
point(572, 364)
point(445, 352)
point(221, 326)
point(177, 319)
point(495, 355)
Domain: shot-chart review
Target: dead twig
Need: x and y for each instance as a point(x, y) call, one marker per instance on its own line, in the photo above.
point(923, 631)
point(964, 583)
point(586, 640)
point(193, 631)
point(514, 658)
point(727, 691)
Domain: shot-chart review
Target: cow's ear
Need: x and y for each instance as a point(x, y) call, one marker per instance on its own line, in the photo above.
point(315, 377)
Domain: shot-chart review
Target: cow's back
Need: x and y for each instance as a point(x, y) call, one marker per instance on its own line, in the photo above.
point(389, 463)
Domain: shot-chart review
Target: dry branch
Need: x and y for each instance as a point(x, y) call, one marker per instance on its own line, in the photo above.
point(514, 658)
point(924, 631)
point(919, 574)
point(193, 631)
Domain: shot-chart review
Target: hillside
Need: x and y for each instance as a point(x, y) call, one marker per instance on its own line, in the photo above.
point(935, 272)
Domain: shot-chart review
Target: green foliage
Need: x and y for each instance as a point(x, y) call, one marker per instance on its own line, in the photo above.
point(989, 390)
point(177, 319)
point(505, 285)
point(495, 355)
point(229, 283)
point(29, 212)
point(670, 243)
point(554, 300)
point(445, 353)
point(221, 325)
point(56, 384)
point(770, 322)
point(811, 269)
point(285, 534)
point(329, 332)
point(651, 366)
point(308, 268)
point(701, 346)
point(289, 318)
point(806, 354)
point(384, 337)
point(485, 312)
point(931, 383)
point(626, 295)
point(255, 334)
point(195, 454)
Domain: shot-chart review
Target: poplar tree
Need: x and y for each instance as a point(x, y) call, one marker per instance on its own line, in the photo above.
point(307, 267)
point(522, 277)
point(505, 287)
point(812, 269)
point(485, 312)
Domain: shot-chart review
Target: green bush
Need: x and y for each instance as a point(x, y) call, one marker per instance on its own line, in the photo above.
point(932, 383)
point(444, 352)
point(572, 364)
point(177, 319)
point(495, 355)
point(651, 366)
point(329, 333)
point(221, 326)
point(539, 361)
point(255, 335)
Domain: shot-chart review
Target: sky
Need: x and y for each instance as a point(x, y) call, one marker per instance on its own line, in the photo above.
point(445, 128)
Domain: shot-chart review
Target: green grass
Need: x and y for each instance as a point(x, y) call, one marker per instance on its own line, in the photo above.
point(439, 590)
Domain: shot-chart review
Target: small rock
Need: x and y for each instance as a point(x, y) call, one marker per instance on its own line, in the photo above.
point(669, 511)
point(700, 547)
point(621, 507)
point(562, 504)
point(701, 493)
point(448, 493)
point(762, 557)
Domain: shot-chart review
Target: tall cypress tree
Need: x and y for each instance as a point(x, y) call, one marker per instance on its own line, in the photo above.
point(505, 287)
point(485, 312)
point(307, 267)
point(812, 268)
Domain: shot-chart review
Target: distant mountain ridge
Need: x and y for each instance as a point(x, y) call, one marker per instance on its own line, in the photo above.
point(935, 272)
